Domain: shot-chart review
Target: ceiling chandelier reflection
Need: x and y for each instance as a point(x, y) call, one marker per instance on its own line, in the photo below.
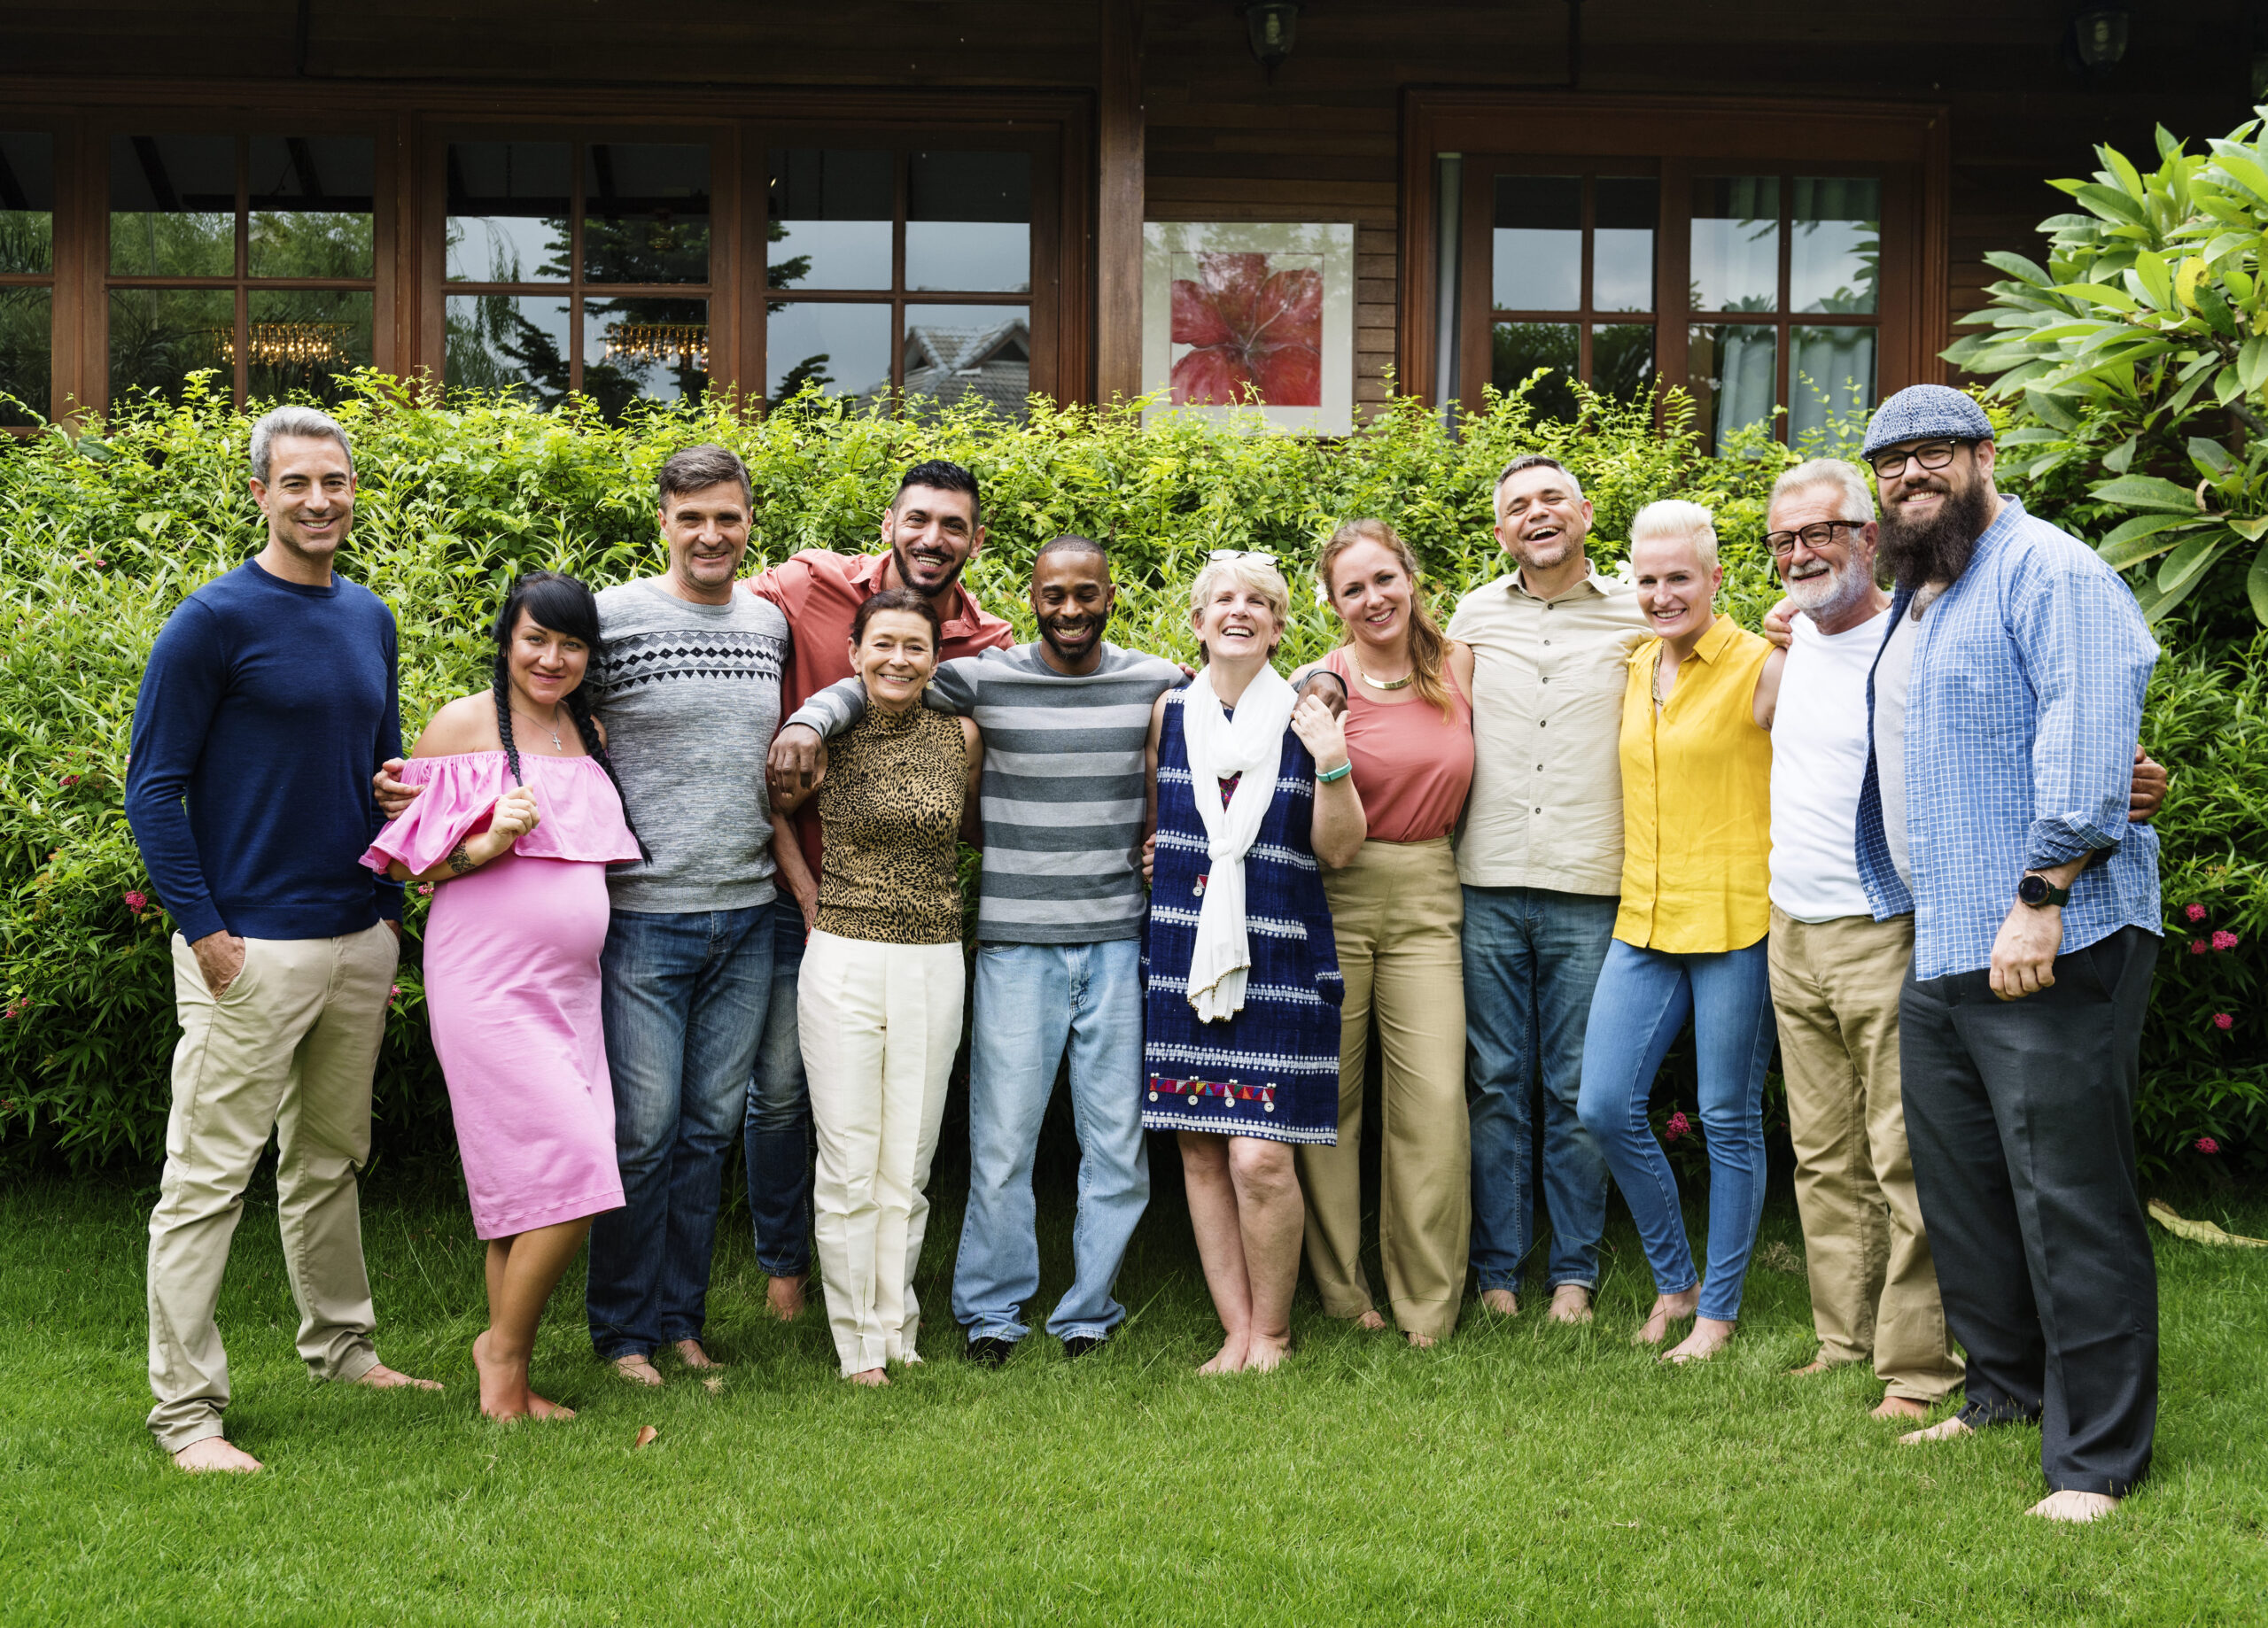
point(673, 345)
point(285, 345)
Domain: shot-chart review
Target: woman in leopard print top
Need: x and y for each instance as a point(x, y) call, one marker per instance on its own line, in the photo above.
point(879, 1006)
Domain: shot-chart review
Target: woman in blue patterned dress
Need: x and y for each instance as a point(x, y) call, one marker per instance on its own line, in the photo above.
point(1241, 996)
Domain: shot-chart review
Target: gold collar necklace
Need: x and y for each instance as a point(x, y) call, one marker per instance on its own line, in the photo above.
point(1402, 683)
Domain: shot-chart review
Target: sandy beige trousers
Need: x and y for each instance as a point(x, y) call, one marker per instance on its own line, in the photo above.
point(1873, 1287)
point(878, 1025)
point(1396, 912)
point(288, 1047)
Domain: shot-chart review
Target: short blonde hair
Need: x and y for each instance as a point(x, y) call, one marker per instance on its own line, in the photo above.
point(1677, 517)
point(1246, 570)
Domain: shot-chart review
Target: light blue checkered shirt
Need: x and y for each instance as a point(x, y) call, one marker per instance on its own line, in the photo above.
point(2029, 676)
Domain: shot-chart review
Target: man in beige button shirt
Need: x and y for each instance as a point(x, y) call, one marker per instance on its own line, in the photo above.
point(1541, 859)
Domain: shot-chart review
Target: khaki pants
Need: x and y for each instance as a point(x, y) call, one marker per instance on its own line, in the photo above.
point(880, 1024)
point(1395, 912)
point(1873, 1287)
point(288, 1047)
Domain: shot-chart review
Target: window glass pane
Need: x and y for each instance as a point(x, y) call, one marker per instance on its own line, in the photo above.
point(159, 337)
point(959, 354)
point(1624, 211)
point(302, 338)
point(844, 349)
point(508, 211)
point(311, 206)
point(1537, 251)
point(1737, 242)
point(508, 342)
point(830, 219)
point(1831, 373)
point(1523, 348)
point(1732, 372)
point(1835, 253)
point(1622, 360)
point(652, 349)
point(27, 203)
point(968, 220)
point(173, 205)
point(26, 334)
point(645, 213)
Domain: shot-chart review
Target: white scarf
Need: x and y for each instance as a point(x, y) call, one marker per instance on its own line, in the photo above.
point(1250, 744)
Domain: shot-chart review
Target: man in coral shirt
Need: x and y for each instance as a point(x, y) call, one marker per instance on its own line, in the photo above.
point(931, 530)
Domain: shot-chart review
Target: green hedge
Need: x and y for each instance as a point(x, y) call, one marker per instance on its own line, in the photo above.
point(105, 533)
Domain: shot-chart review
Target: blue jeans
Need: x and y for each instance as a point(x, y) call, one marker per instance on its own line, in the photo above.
point(1530, 959)
point(1031, 1000)
point(777, 1135)
point(1644, 997)
point(683, 1001)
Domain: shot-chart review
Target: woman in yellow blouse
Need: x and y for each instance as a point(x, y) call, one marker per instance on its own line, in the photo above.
point(1689, 941)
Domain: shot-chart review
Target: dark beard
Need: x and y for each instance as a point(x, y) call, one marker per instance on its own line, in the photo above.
point(1937, 550)
point(905, 576)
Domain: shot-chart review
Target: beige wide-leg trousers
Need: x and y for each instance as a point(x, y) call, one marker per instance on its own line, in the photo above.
point(288, 1047)
point(879, 1024)
point(1396, 912)
point(1874, 1286)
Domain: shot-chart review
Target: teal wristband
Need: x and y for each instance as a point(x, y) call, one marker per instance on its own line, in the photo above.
point(1325, 778)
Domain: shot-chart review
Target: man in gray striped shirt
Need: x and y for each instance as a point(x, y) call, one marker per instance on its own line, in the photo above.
point(1059, 929)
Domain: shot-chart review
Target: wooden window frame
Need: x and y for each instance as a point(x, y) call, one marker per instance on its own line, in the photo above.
point(1905, 144)
point(409, 122)
point(61, 160)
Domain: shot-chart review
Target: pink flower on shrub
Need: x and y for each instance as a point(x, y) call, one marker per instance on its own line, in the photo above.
point(2222, 938)
point(70, 780)
point(1678, 1126)
point(2196, 946)
point(425, 888)
point(2195, 912)
point(15, 1010)
point(394, 994)
point(136, 900)
point(2221, 1020)
point(2206, 1144)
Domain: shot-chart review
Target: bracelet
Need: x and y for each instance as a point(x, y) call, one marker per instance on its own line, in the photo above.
point(460, 861)
point(1325, 777)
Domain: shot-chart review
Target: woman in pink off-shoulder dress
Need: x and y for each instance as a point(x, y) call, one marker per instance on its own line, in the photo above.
point(517, 818)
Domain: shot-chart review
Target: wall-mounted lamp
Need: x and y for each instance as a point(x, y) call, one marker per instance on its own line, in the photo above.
point(1273, 26)
point(2096, 41)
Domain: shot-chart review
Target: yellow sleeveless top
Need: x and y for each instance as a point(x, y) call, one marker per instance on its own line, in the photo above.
point(1696, 799)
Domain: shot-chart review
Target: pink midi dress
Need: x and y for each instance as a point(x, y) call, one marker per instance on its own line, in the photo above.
point(512, 982)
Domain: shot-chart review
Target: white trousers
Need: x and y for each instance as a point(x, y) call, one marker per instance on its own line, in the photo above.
point(878, 1025)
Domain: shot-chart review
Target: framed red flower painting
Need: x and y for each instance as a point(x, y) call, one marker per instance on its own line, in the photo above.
point(1252, 322)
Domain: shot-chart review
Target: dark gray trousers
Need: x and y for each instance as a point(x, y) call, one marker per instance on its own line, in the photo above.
point(2020, 1119)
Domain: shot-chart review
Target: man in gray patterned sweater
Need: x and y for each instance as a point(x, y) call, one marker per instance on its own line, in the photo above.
point(1060, 919)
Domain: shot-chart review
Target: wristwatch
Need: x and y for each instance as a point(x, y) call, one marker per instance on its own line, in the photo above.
point(2040, 892)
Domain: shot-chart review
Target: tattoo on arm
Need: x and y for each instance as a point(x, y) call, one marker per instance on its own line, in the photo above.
point(460, 861)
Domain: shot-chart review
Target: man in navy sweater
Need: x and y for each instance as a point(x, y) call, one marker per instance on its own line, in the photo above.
point(268, 700)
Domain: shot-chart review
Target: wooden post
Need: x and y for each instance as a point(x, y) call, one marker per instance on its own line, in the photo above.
point(1118, 217)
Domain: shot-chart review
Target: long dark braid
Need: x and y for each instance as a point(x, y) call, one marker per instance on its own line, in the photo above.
point(502, 685)
point(586, 727)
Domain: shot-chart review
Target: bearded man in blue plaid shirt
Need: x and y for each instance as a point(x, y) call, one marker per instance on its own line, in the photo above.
point(2004, 705)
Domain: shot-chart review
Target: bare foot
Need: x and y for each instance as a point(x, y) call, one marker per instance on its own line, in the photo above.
point(1710, 1336)
point(1668, 1308)
point(689, 1353)
point(1817, 1365)
point(2075, 1507)
point(382, 1378)
point(215, 1452)
point(868, 1376)
point(1502, 1302)
point(544, 1407)
point(785, 1296)
point(1570, 1303)
point(1262, 1353)
point(638, 1370)
point(1419, 1342)
point(503, 1383)
point(1944, 1430)
point(1900, 1407)
point(1372, 1320)
point(1229, 1358)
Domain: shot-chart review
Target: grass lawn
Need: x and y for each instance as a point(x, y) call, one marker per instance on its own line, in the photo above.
point(1516, 1472)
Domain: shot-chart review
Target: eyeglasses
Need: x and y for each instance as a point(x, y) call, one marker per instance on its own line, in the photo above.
point(1813, 537)
point(1930, 455)
point(1219, 554)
